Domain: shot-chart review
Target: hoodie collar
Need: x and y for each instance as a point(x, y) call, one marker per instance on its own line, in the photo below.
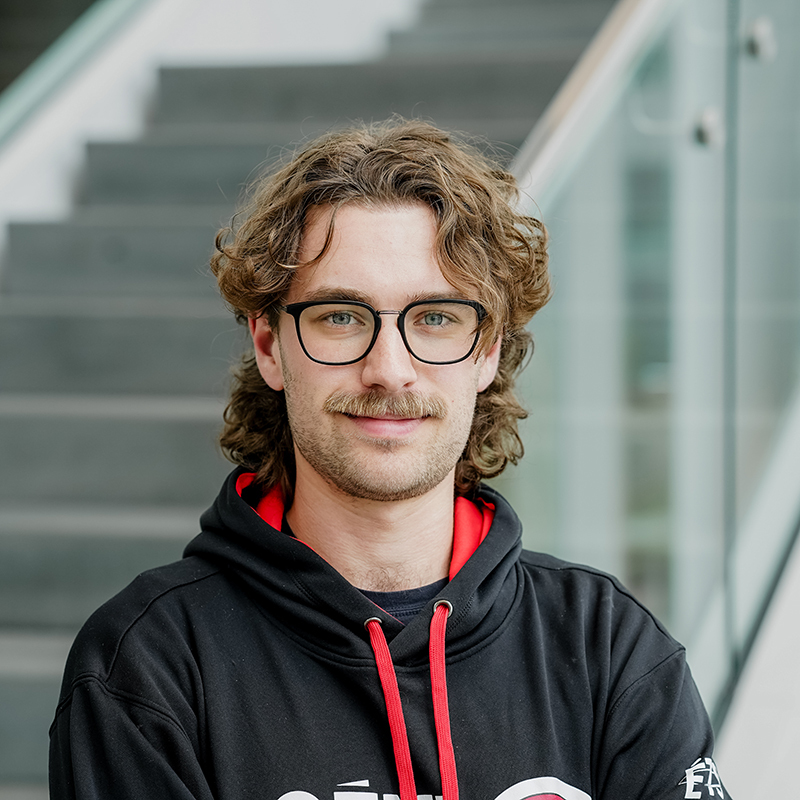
point(471, 520)
point(301, 592)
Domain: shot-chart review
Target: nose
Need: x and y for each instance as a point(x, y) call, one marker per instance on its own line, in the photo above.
point(388, 364)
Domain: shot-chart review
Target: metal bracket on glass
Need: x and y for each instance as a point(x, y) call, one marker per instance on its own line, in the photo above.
point(759, 40)
point(709, 130)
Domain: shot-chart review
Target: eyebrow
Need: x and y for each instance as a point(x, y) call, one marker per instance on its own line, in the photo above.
point(339, 294)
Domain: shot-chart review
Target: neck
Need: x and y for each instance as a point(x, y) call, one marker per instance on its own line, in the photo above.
point(375, 545)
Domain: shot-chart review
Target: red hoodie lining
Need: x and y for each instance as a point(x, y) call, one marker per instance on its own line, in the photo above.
point(471, 522)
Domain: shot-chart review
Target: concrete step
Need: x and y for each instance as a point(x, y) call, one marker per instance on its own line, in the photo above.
point(31, 666)
point(30, 791)
point(561, 49)
point(529, 28)
point(90, 450)
point(165, 168)
point(282, 134)
point(110, 346)
point(516, 87)
point(119, 257)
point(145, 172)
point(189, 156)
point(510, 6)
point(538, 18)
point(508, 129)
point(58, 563)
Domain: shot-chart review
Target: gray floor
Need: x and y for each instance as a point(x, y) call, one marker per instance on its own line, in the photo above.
point(758, 749)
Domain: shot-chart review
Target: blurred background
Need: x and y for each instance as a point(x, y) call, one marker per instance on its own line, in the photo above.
point(657, 139)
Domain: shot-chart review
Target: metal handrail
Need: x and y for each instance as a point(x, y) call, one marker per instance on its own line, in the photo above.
point(588, 94)
point(61, 60)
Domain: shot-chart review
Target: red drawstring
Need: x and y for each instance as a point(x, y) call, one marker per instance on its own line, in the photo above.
point(394, 708)
point(441, 711)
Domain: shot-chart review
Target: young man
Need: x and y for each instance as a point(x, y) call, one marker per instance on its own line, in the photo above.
point(357, 620)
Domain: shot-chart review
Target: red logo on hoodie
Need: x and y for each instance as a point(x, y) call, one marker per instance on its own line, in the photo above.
point(542, 789)
point(533, 789)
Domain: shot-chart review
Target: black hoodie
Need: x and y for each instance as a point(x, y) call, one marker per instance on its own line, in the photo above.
point(245, 671)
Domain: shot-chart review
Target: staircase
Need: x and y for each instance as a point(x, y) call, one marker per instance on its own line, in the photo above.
point(115, 349)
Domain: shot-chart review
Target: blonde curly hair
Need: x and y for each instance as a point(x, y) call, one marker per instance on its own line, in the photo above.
point(484, 246)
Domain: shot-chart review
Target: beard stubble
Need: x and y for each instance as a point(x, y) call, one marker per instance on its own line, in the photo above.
point(401, 469)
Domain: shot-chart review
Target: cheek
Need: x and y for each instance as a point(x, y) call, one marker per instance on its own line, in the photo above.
point(298, 375)
point(305, 389)
point(461, 396)
point(298, 404)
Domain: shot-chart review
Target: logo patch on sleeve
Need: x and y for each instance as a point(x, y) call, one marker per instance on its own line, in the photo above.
point(702, 781)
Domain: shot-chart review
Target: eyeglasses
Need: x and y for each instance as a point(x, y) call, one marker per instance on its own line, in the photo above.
point(433, 331)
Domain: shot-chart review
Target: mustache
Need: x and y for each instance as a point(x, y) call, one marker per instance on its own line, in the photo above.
point(375, 404)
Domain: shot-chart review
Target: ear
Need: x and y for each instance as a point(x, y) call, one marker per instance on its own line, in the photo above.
point(268, 354)
point(488, 366)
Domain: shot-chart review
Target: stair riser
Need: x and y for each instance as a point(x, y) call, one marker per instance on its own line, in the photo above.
point(141, 355)
point(537, 23)
point(59, 580)
point(28, 709)
point(105, 461)
point(69, 259)
point(213, 174)
point(360, 91)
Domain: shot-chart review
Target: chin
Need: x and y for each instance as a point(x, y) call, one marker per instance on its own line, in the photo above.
point(385, 484)
point(383, 493)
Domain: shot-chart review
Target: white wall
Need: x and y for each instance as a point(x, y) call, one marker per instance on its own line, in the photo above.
point(278, 31)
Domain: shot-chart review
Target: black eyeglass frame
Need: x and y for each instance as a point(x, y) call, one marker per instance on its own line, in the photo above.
point(296, 309)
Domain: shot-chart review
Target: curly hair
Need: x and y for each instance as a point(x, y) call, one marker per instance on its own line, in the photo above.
point(484, 247)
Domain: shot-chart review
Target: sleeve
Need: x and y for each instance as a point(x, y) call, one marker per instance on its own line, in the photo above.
point(659, 740)
point(104, 745)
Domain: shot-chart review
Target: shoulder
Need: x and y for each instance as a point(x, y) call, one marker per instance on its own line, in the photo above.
point(155, 610)
point(585, 589)
point(591, 612)
point(596, 632)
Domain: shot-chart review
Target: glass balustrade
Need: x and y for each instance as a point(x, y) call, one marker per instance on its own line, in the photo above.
point(664, 391)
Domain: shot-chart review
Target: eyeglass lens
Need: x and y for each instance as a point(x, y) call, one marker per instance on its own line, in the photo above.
point(435, 332)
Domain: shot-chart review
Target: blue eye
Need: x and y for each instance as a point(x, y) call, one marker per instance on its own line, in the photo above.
point(433, 318)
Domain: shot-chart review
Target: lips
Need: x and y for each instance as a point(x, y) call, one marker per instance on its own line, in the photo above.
point(386, 427)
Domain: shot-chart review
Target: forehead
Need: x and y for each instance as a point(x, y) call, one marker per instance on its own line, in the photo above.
point(377, 251)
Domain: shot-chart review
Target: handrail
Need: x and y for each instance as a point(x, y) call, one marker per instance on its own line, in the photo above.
point(61, 60)
point(770, 526)
point(567, 124)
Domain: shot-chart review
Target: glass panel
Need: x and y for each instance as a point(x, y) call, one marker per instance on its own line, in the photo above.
point(664, 444)
point(768, 281)
point(624, 446)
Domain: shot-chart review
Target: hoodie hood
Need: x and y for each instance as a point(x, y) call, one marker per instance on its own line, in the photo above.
point(301, 590)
